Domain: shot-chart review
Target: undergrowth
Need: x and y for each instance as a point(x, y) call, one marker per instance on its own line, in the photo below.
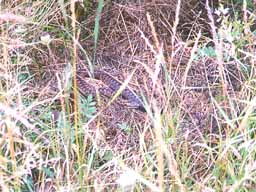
point(56, 139)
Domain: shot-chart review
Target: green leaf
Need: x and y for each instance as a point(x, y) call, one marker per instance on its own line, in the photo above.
point(125, 127)
point(88, 107)
point(108, 155)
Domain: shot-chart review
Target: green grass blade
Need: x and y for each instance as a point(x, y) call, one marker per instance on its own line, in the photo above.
point(97, 29)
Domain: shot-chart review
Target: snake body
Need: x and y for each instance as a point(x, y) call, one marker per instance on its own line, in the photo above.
point(113, 85)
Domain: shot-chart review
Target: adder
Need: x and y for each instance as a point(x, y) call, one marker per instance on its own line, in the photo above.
point(112, 86)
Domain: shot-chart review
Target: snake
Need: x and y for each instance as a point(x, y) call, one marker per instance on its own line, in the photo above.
point(112, 86)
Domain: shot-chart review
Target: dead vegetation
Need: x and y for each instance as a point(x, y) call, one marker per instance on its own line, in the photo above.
point(194, 73)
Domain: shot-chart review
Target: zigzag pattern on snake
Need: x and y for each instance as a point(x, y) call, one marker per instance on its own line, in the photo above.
point(113, 85)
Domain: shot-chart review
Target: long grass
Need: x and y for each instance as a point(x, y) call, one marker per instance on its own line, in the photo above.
point(53, 141)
